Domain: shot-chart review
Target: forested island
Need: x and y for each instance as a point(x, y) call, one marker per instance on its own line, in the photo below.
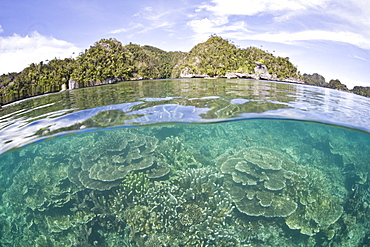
point(108, 61)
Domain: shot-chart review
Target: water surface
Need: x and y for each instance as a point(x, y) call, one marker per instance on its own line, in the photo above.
point(186, 163)
point(185, 100)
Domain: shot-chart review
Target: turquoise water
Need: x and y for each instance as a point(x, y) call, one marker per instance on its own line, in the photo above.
point(214, 165)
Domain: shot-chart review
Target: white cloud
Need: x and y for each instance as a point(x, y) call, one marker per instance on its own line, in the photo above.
point(254, 7)
point(329, 20)
point(1, 29)
point(293, 37)
point(238, 30)
point(207, 25)
point(148, 19)
point(124, 30)
point(150, 9)
point(361, 58)
point(151, 14)
point(18, 52)
point(159, 25)
point(218, 25)
point(354, 11)
point(354, 15)
point(144, 11)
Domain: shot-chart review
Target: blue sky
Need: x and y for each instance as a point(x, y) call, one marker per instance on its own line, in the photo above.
point(330, 37)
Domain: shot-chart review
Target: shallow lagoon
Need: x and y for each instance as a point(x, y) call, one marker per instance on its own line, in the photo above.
point(186, 163)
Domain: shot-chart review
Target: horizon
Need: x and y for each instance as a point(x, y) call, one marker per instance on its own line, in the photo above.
point(320, 36)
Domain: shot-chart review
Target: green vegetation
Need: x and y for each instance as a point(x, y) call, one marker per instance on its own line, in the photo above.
point(206, 59)
point(319, 80)
point(36, 79)
point(314, 79)
point(336, 84)
point(364, 91)
point(108, 61)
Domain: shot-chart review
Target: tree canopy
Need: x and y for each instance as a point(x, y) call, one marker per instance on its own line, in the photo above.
point(315, 79)
point(109, 61)
point(364, 91)
point(336, 84)
point(218, 56)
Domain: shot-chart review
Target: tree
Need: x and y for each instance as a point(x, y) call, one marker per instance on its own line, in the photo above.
point(364, 91)
point(336, 84)
point(315, 79)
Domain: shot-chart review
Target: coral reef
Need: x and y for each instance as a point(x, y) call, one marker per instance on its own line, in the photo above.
point(256, 179)
point(355, 160)
point(131, 190)
point(264, 182)
point(174, 152)
point(38, 188)
point(192, 212)
point(104, 163)
point(188, 186)
point(318, 208)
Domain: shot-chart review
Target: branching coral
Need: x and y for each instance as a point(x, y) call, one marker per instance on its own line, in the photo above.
point(191, 212)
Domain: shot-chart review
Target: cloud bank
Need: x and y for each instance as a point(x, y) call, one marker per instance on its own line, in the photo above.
point(285, 21)
point(18, 52)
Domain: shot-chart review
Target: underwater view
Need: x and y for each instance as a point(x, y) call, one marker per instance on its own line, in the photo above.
point(190, 162)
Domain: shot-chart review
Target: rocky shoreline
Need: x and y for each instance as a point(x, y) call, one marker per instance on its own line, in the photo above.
point(260, 73)
point(231, 75)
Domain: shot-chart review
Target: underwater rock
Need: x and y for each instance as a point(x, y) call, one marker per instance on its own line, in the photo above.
point(37, 205)
point(277, 207)
point(104, 162)
point(85, 180)
point(315, 217)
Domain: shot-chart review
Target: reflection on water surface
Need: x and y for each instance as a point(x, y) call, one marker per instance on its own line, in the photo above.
point(181, 100)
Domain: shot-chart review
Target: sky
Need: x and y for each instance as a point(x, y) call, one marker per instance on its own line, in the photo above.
point(329, 37)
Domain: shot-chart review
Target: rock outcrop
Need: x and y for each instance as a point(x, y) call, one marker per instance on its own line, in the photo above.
point(72, 84)
point(261, 71)
point(185, 73)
